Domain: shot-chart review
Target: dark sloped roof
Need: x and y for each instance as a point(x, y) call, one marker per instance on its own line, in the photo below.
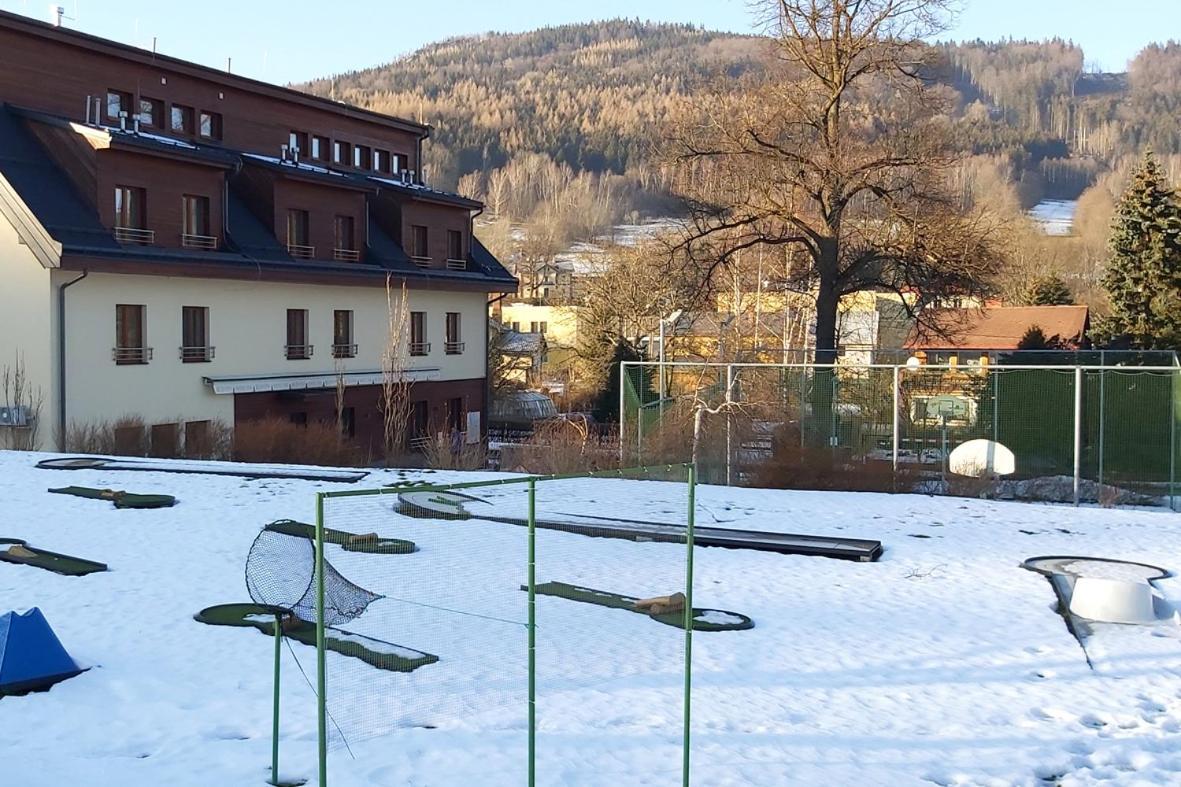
point(45, 189)
point(39, 185)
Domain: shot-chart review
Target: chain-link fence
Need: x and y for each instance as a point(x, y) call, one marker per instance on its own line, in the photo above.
point(513, 613)
point(1099, 434)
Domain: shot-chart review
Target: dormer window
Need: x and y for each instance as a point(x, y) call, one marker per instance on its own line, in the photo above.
point(118, 102)
point(297, 143)
point(182, 119)
point(320, 148)
point(151, 112)
point(381, 161)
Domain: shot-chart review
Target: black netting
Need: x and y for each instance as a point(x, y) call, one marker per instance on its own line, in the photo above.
point(281, 572)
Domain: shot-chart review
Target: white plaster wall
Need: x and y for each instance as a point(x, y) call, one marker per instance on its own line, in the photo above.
point(26, 327)
point(248, 329)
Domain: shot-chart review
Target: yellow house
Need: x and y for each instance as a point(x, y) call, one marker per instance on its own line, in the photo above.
point(559, 324)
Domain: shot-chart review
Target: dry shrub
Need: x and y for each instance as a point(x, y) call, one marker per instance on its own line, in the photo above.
point(279, 440)
point(983, 487)
point(88, 438)
point(793, 466)
point(559, 447)
point(437, 454)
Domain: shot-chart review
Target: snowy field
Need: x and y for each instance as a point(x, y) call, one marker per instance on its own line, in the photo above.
point(942, 664)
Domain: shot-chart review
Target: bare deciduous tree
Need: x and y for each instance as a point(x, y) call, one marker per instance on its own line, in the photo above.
point(395, 381)
point(841, 154)
point(20, 394)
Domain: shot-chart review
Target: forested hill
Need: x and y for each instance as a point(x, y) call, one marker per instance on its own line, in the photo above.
point(586, 95)
point(591, 97)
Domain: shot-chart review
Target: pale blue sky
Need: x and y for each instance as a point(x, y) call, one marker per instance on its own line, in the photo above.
point(300, 39)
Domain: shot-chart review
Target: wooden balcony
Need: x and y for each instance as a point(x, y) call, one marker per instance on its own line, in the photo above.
point(134, 236)
point(301, 252)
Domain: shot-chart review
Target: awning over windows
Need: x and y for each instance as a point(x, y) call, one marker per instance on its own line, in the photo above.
point(263, 383)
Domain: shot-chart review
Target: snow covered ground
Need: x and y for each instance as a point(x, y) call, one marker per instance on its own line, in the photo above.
point(944, 663)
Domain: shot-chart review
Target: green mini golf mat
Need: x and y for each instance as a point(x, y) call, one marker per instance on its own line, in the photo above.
point(349, 541)
point(703, 619)
point(375, 652)
point(50, 561)
point(119, 498)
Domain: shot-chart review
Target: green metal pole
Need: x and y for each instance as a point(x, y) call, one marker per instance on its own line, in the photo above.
point(322, 699)
point(690, 521)
point(275, 720)
point(532, 632)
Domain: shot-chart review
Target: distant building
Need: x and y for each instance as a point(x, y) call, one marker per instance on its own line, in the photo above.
point(188, 245)
point(969, 334)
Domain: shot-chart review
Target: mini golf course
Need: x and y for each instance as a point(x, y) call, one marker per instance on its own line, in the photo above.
point(375, 652)
point(703, 619)
point(433, 504)
point(14, 550)
point(119, 498)
point(351, 542)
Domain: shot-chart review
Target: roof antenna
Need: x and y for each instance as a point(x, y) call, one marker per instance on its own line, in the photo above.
point(56, 14)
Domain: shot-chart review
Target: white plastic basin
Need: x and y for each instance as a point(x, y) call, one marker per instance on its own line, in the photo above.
point(1112, 600)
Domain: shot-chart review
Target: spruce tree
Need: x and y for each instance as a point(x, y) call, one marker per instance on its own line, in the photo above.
point(1049, 291)
point(1143, 276)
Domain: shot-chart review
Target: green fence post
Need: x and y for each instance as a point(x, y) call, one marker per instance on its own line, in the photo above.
point(322, 700)
point(532, 632)
point(690, 520)
point(275, 720)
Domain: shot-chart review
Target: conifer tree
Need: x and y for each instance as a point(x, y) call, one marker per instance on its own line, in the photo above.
point(1049, 291)
point(1143, 277)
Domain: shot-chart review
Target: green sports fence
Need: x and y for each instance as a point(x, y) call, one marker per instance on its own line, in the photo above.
point(1105, 434)
point(514, 620)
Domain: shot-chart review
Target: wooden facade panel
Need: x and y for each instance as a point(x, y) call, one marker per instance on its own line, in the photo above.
point(323, 205)
point(438, 219)
point(165, 182)
point(58, 77)
point(365, 401)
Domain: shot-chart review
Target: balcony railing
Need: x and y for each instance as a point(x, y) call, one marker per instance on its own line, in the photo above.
point(456, 265)
point(131, 355)
point(298, 352)
point(207, 242)
point(420, 348)
point(422, 262)
point(301, 252)
point(453, 348)
point(346, 255)
point(196, 354)
point(135, 235)
point(344, 351)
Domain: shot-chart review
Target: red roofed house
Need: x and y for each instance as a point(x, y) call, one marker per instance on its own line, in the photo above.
point(972, 333)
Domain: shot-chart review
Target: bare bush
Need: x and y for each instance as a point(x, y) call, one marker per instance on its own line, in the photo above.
point(278, 440)
point(440, 452)
point(561, 446)
point(19, 392)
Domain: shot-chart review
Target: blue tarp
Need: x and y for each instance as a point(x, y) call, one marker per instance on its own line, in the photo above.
point(31, 656)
